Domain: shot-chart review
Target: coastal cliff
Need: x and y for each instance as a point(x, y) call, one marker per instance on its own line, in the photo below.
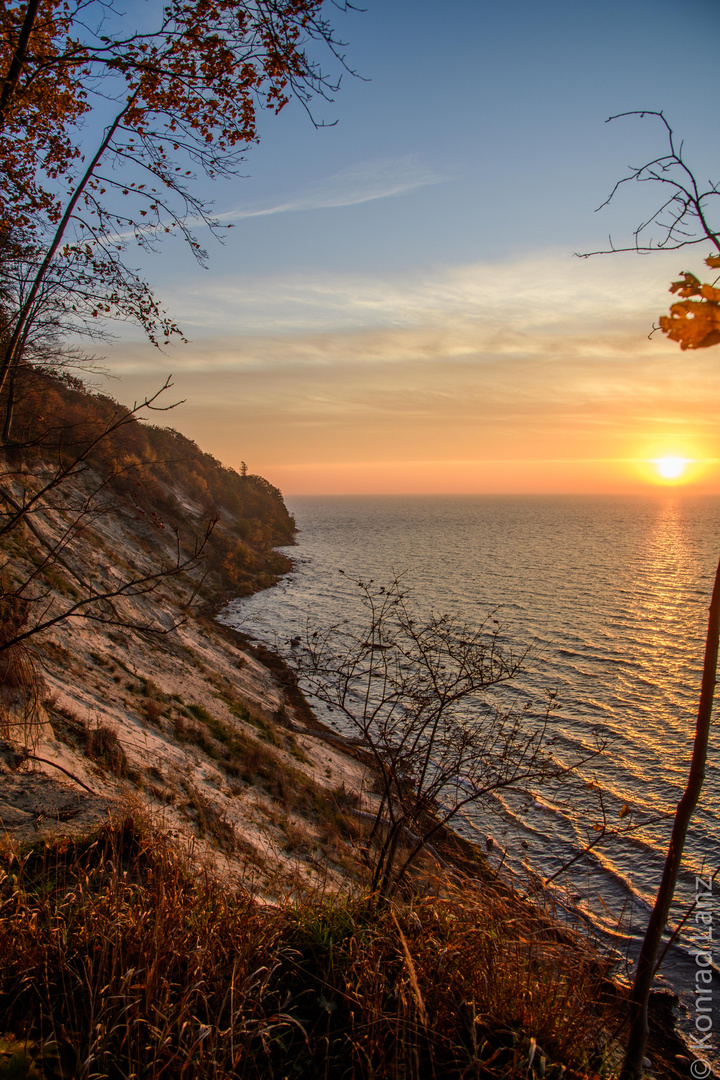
point(125, 691)
point(186, 839)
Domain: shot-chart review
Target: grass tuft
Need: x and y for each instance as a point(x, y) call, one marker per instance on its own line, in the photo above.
point(102, 746)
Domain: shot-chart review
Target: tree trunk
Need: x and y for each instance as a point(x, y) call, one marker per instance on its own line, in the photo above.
point(11, 79)
point(637, 1040)
point(13, 351)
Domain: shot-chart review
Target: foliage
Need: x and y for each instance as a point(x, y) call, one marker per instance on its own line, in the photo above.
point(117, 959)
point(85, 459)
point(694, 324)
point(41, 102)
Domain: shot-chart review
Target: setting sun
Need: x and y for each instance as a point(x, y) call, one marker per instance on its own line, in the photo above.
point(671, 468)
point(687, 464)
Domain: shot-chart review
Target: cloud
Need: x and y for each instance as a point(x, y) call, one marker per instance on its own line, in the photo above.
point(383, 178)
point(548, 349)
point(527, 296)
point(531, 329)
point(458, 385)
point(535, 358)
point(550, 318)
point(366, 182)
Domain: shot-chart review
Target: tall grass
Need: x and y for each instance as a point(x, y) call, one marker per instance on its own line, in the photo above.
point(119, 960)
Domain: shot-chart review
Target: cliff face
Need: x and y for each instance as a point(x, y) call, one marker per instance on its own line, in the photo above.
point(119, 693)
point(156, 474)
point(117, 688)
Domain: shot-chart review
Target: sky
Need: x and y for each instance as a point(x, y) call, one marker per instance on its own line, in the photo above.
point(399, 307)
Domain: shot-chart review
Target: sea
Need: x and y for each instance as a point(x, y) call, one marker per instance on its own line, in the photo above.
point(608, 598)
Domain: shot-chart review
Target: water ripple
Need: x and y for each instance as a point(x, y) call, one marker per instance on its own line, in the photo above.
point(609, 594)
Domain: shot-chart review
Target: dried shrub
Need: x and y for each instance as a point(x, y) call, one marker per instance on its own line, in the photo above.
point(209, 820)
point(19, 680)
point(153, 711)
point(68, 726)
point(297, 837)
point(102, 745)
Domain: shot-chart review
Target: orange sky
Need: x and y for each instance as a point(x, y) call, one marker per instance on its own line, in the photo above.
point(532, 376)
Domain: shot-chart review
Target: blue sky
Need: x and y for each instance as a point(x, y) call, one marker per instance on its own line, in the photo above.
point(385, 272)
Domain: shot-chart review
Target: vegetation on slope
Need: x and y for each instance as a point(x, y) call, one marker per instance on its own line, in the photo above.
point(117, 959)
point(156, 473)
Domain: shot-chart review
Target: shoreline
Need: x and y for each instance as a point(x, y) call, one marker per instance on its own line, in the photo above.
point(272, 671)
point(667, 1043)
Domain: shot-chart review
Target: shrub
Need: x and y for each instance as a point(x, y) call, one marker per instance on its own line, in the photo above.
point(102, 745)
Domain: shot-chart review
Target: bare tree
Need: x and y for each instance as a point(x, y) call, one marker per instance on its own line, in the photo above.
point(421, 694)
point(684, 217)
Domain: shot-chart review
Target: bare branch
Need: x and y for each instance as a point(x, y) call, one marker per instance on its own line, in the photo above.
point(683, 217)
point(422, 693)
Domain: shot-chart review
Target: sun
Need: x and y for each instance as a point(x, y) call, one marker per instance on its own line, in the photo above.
point(671, 468)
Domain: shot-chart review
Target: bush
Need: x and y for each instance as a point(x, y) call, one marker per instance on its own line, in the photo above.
point(102, 745)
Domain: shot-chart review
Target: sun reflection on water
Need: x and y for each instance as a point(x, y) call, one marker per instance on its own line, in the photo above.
point(668, 573)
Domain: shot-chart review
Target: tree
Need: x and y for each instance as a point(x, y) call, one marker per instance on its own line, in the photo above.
point(682, 219)
point(421, 694)
point(180, 96)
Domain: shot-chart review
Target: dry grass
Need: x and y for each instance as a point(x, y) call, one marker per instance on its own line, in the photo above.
point(103, 746)
point(20, 684)
point(209, 820)
point(118, 960)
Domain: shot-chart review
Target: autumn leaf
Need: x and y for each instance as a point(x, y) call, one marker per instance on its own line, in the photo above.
point(190, 89)
point(694, 323)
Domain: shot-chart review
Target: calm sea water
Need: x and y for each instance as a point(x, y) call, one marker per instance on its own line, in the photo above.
point(611, 594)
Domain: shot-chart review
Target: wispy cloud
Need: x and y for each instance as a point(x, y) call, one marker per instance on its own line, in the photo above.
point(552, 293)
point(365, 182)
